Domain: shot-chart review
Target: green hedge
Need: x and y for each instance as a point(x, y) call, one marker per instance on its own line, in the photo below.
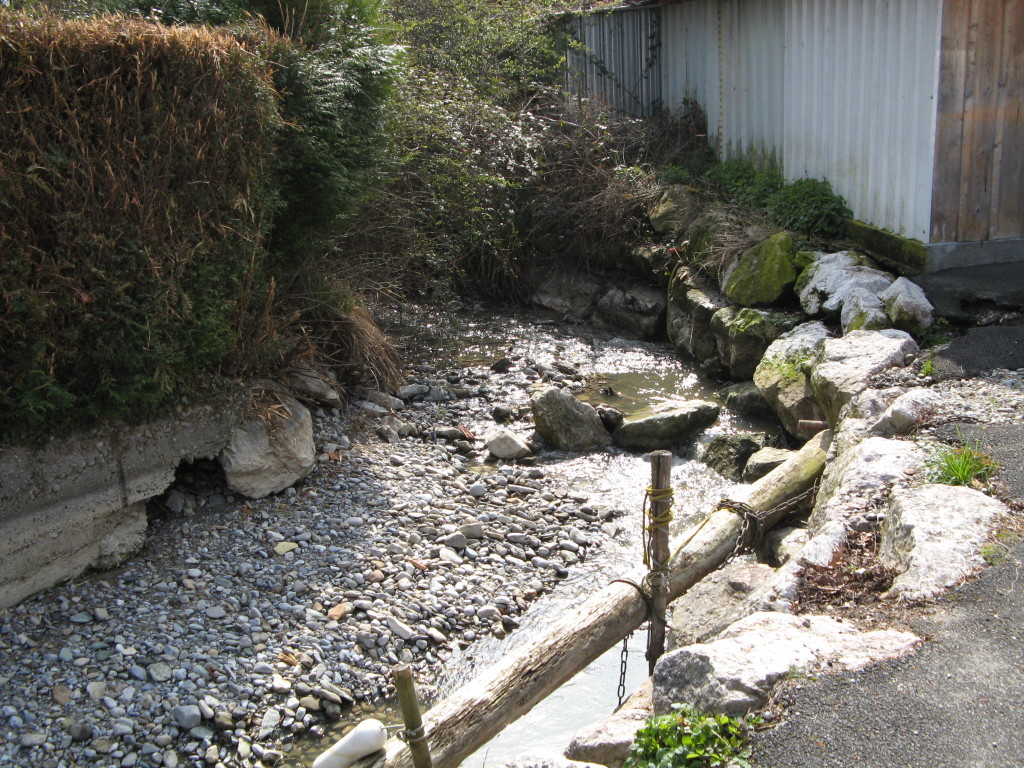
point(134, 206)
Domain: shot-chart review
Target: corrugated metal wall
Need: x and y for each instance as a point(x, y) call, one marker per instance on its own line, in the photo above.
point(838, 89)
point(618, 61)
point(861, 82)
point(689, 57)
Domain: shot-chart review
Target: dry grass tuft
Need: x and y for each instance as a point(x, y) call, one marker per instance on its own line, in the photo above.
point(353, 345)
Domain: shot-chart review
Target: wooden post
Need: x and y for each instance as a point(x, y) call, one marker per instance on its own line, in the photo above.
point(410, 707)
point(474, 714)
point(658, 552)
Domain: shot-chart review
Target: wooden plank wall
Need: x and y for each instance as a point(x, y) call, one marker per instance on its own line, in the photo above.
point(978, 189)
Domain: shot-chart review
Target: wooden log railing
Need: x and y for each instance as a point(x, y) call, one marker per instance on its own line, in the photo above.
point(466, 720)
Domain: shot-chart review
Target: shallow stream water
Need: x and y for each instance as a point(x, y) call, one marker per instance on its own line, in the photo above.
point(631, 375)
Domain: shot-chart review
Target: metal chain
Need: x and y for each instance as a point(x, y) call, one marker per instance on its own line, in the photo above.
point(752, 528)
point(623, 660)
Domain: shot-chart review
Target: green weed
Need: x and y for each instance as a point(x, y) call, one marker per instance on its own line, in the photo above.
point(689, 739)
point(962, 464)
point(809, 205)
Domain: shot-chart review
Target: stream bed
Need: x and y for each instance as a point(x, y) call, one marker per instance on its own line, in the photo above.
point(633, 376)
point(255, 631)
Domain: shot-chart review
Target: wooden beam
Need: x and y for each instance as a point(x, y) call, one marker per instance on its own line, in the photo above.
point(1008, 181)
point(949, 125)
point(984, 49)
point(474, 714)
point(658, 550)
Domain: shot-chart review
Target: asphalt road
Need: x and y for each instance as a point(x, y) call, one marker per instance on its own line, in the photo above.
point(956, 703)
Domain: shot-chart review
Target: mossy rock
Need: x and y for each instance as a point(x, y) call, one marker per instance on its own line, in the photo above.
point(700, 237)
point(654, 262)
point(743, 335)
point(676, 210)
point(763, 273)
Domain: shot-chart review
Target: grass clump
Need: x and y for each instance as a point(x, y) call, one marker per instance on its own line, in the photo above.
point(960, 464)
point(688, 739)
point(808, 205)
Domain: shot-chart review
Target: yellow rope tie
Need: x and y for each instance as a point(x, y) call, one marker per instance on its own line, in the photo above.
point(654, 521)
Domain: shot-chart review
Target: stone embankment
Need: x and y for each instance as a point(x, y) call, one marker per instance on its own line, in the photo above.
point(844, 360)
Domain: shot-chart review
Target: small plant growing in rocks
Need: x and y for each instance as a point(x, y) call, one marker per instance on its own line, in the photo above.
point(962, 464)
point(688, 739)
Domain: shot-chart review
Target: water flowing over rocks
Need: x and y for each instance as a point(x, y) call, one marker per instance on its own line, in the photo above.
point(727, 454)
point(671, 425)
point(764, 461)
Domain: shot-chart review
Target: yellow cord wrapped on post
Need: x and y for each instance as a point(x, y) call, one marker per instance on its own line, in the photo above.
point(652, 521)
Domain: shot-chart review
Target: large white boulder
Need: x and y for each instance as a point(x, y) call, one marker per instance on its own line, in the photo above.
point(670, 425)
point(783, 377)
point(270, 450)
point(735, 673)
point(826, 284)
point(907, 306)
point(933, 535)
point(907, 411)
point(862, 310)
point(567, 423)
point(856, 479)
point(506, 444)
point(844, 366)
point(716, 601)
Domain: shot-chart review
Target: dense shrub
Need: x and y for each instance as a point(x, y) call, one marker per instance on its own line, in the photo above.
point(135, 201)
point(809, 205)
point(443, 206)
point(740, 181)
point(588, 199)
point(334, 80)
point(507, 50)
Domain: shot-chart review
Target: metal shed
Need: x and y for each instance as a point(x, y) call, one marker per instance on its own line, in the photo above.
point(912, 109)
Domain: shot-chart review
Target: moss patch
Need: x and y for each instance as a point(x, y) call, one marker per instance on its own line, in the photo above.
point(764, 272)
point(902, 254)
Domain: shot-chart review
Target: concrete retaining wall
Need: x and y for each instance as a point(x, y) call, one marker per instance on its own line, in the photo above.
point(79, 501)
